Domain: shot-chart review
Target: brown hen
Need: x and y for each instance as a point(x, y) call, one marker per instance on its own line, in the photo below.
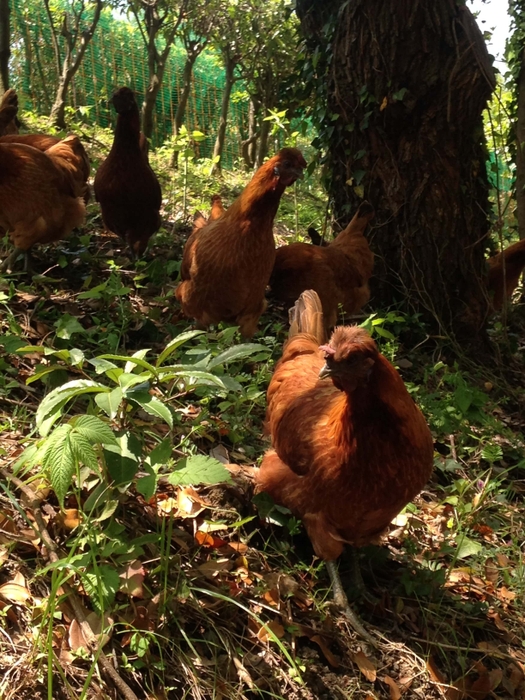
point(125, 185)
point(226, 267)
point(347, 454)
point(339, 272)
point(38, 198)
point(502, 282)
point(68, 152)
point(8, 112)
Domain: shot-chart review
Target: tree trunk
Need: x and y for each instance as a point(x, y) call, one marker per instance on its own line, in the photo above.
point(409, 80)
point(230, 63)
point(71, 62)
point(5, 45)
point(520, 149)
point(262, 150)
point(178, 120)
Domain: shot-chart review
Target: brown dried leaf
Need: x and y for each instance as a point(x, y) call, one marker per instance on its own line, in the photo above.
point(132, 578)
point(480, 688)
point(366, 666)
point(326, 651)
point(214, 566)
point(274, 626)
point(15, 593)
point(491, 570)
point(395, 693)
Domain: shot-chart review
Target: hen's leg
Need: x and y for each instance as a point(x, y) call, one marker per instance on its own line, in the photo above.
point(11, 258)
point(356, 577)
point(342, 601)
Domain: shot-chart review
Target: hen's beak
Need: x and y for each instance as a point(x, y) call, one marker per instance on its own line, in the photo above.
point(324, 372)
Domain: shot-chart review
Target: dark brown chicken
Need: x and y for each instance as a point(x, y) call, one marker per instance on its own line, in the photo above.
point(339, 272)
point(125, 185)
point(500, 283)
point(8, 112)
point(38, 198)
point(348, 453)
point(227, 265)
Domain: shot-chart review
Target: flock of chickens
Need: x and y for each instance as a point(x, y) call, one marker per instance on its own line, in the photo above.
point(361, 449)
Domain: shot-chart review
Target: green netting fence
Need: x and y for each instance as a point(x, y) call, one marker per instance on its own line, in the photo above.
point(116, 56)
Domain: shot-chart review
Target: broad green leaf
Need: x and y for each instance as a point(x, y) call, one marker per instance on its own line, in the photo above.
point(94, 429)
point(83, 450)
point(101, 586)
point(59, 396)
point(161, 453)
point(100, 495)
point(61, 463)
point(197, 377)
point(152, 405)
point(126, 381)
point(122, 458)
point(67, 325)
point(51, 418)
point(147, 486)
point(76, 356)
point(176, 343)
point(199, 469)
point(140, 355)
point(384, 333)
point(101, 366)
point(110, 402)
point(467, 547)
point(131, 361)
point(41, 371)
point(237, 352)
point(12, 343)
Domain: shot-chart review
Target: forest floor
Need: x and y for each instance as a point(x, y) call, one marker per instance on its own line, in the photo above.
point(146, 585)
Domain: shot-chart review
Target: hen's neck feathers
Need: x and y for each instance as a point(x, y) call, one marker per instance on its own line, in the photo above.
point(127, 131)
point(260, 198)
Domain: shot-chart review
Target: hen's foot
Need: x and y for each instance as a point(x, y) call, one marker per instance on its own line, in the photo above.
point(342, 601)
point(11, 259)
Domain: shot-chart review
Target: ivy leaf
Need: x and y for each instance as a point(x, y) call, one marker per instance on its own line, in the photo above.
point(199, 469)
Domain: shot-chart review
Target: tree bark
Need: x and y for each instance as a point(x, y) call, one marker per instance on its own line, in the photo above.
point(229, 65)
point(5, 44)
point(407, 82)
point(520, 149)
point(72, 61)
point(193, 51)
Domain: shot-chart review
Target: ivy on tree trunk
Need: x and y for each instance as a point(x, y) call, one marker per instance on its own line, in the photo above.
point(406, 84)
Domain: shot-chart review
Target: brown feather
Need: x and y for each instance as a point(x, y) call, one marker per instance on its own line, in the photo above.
point(513, 258)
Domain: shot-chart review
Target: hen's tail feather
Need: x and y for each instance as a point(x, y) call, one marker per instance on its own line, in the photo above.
point(306, 316)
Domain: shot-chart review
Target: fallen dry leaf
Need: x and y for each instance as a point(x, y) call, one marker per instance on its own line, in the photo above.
point(334, 663)
point(366, 666)
point(15, 593)
point(395, 692)
point(264, 633)
point(132, 578)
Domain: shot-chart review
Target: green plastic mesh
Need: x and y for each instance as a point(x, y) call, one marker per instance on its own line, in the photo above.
point(116, 56)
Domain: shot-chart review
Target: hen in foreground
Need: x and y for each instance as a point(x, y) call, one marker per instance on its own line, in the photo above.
point(125, 185)
point(227, 265)
point(505, 269)
point(348, 454)
point(338, 272)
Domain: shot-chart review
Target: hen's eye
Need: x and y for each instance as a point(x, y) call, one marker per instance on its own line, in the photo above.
point(286, 164)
